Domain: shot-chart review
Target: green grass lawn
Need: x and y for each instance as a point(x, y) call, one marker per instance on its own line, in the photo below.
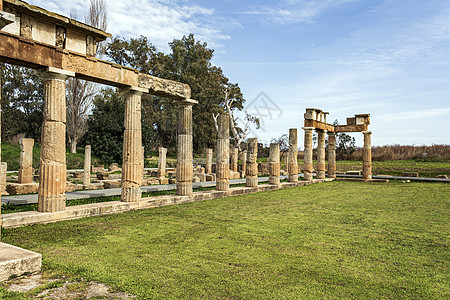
point(331, 240)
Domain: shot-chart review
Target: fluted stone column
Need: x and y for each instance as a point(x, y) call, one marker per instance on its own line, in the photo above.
point(26, 160)
point(162, 162)
point(308, 168)
point(274, 164)
point(87, 167)
point(331, 155)
point(321, 154)
point(222, 154)
point(185, 168)
point(244, 163)
point(209, 161)
point(234, 159)
point(252, 166)
point(143, 161)
point(132, 146)
point(292, 156)
point(52, 165)
point(367, 155)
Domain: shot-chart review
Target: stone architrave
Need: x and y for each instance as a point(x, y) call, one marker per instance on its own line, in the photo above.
point(292, 156)
point(252, 165)
point(162, 158)
point(331, 155)
point(244, 163)
point(87, 167)
point(132, 146)
point(234, 152)
point(321, 154)
point(185, 168)
point(222, 153)
point(274, 164)
point(26, 161)
point(367, 155)
point(209, 161)
point(308, 168)
point(52, 165)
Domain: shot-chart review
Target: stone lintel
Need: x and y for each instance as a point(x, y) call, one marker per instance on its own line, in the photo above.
point(52, 72)
point(134, 89)
point(318, 125)
point(362, 115)
point(15, 261)
point(351, 128)
point(164, 87)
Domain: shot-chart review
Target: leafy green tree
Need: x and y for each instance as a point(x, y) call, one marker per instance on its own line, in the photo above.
point(106, 126)
point(21, 101)
point(345, 144)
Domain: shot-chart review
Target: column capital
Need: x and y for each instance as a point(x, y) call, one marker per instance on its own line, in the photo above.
point(188, 102)
point(134, 90)
point(321, 130)
point(308, 128)
point(366, 132)
point(54, 73)
point(331, 133)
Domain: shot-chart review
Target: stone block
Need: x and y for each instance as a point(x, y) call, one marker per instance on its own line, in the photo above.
point(202, 177)
point(442, 176)
point(15, 261)
point(114, 167)
point(195, 179)
point(3, 169)
point(77, 174)
point(172, 181)
point(102, 176)
point(211, 177)
point(22, 188)
point(98, 169)
point(110, 184)
point(163, 180)
point(353, 172)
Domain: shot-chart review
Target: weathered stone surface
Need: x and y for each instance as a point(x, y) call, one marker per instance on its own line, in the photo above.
point(163, 180)
point(114, 167)
point(3, 169)
point(70, 187)
point(185, 168)
point(162, 162)
point(234, 152)
point(442, 176)
point(201, 176)
point(209, 161)
point(211, 177)
point(102, 176)
point(308, 154)
point(87, 166)
point(331, 155)
point(98, 169)
point(367, 155)
point(410, 174)
point(22, 188)
point(109, 184)
point(15, 261)
point(26, 160)
point(292, 156)
point(195, 179)
point(172, 181)
point(252, 167)
point(274, 164)
point(222, 153)
point(132, 147)
point(320, 154)
point(163, 87)
point(244, 163)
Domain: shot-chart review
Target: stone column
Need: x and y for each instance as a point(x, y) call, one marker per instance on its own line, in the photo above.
point(252, 166)
point(185, 168)
point(234, 159)
point(26, 161)
point(87, 167)
point(292, 156)
point(331, 155)
point(132, 146)
point(209, 160)
point(52, 165)
point(274, 164)
point(320, 154)
point(143, 161)
point(244, 163)
point(222, 154)
point(308, 168)
point(162, 162)
point(367, 155)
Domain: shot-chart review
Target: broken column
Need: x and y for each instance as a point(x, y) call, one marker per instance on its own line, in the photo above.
point(234, 159)
point(244, 163)
point(222, 153)
point(308, 168)
point(320, 154)
point(26, 161)
point(252, 166)
point(292, 156)
point(331, 155)
point(87, 167)
point(274, 164)
point(162, 162)
point(52, 166)
point(185, 168)
point(367, 155)
point(132, 146)
point(209, 161)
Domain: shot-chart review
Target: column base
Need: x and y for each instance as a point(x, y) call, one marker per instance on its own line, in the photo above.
point(308, 176)
point(320, 175)
point(251, 181)
point(222, 185)
point(131, 194)
point(293, 178)
point(274, 180)
point(52, 203)
point(184, 188)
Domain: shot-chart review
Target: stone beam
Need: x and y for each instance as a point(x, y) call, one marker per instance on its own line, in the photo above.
point(19, 51)
point(319, 125)
point(351, 128)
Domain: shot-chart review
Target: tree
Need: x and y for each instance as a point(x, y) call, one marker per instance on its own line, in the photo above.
point(106, 126)
point(345, 144)
point(21, 102)
point(283, 140)
point(79, 93)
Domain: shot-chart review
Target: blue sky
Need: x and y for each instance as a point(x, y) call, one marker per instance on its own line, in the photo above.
point(389, 58)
